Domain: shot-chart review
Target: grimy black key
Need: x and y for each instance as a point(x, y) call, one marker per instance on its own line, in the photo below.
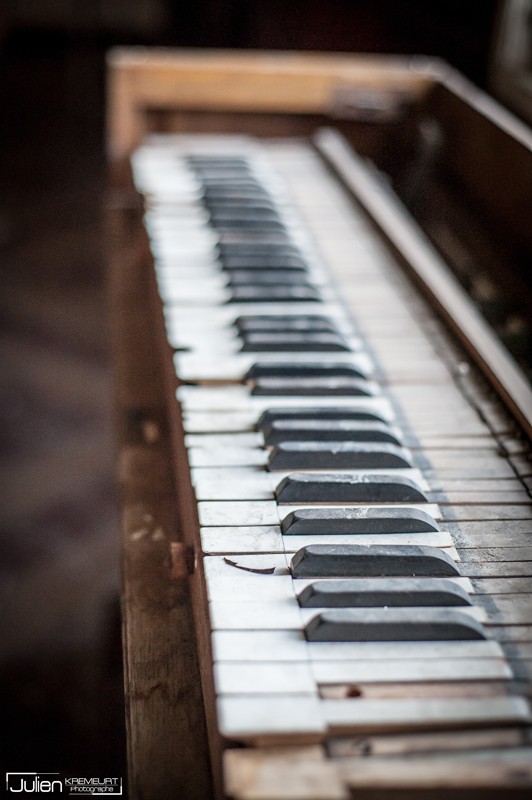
point(270, 323)
point(358, 561)
point(379, 592)
point(393, 625)
point(308, 487)
point(303, 293)
point(252, 225)
point(236, 219)
point(316, 413)
point(303, 369)
point(257, 278)
point(357, 520)
point(249, 205)
point(336, 455)
point(269, 261)
point(315, 386)
point(233, 246)
point(290, 342)
point(305, 430)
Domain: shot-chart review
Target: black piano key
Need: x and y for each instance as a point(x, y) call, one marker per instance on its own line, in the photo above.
point(336, 456)
point(236, 180)
point(316, 413)
point(379, 592)
point(332, 430)
point(226, 224)
point(259, 241)
point(270, 261)
point(308, 487)
point(231, 246)
point(255, 206)
point(257, 278)
point(214, 159)
point(302, 293)
point(290, 342)
point(393, 625)
point(359, 561)
point(269, 323)
point(244, 219)
point(352, 521)
point(224, 192)
point(316, 387)
point(275, 369)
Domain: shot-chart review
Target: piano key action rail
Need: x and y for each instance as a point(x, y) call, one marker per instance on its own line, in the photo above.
point(353, 498)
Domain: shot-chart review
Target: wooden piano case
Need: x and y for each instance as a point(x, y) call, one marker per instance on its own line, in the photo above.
point(414, 118)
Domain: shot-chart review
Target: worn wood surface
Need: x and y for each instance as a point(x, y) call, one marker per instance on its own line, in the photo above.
point(164, 708)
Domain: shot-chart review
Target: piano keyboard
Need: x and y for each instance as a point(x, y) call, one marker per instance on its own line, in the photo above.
point(361, 532)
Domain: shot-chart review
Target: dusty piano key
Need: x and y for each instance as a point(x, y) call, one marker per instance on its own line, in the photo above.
point(372, 592)
point(243, 215)
point(293, 342)
point(287, 615)
point(378, 560)
point(206, 317)
point(388, 715)
point(216, 361)
point(342, 674)
point(269, 323)
point(314, 386)
point(257, 223)
point(275, 369)
point(301, 293)
point(263, 539)
point(248, 483)
point(258, 241)
point(313, 413)
point(362, 519)
point(392, 624)
point(334, 455)
point(326, 519)
point(233, 247)
point(255, 277)
point(330, 430)
point(348, 488)
point(290, 645)
point(272, 262)
point(242, 421)
point(238, 399)
point(251, 207)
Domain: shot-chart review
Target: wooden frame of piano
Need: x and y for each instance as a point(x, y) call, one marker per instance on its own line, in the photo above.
point(273, 94)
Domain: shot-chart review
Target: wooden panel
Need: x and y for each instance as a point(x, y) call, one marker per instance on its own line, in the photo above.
point(302, 83)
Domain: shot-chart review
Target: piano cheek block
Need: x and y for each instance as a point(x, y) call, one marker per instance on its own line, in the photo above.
point(392, 625)
point(351, 521)
point(380, 592)
point(338, 488)
point(359, 561)
point(336, 455)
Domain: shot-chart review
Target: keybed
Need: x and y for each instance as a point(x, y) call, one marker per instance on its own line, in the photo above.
point(363, 542)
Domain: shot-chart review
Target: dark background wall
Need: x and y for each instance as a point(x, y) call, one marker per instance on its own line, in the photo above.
point(60, 679)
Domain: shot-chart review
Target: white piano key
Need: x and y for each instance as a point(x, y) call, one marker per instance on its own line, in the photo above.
point(234, 513)
point(365, 715)
point(252, 483)
point(250, 717)
point(451, 669)
point(219, 364)
point(249, 539)
point(257, 646)
point(267, 678)
point(282, 615)
point(237, 398)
